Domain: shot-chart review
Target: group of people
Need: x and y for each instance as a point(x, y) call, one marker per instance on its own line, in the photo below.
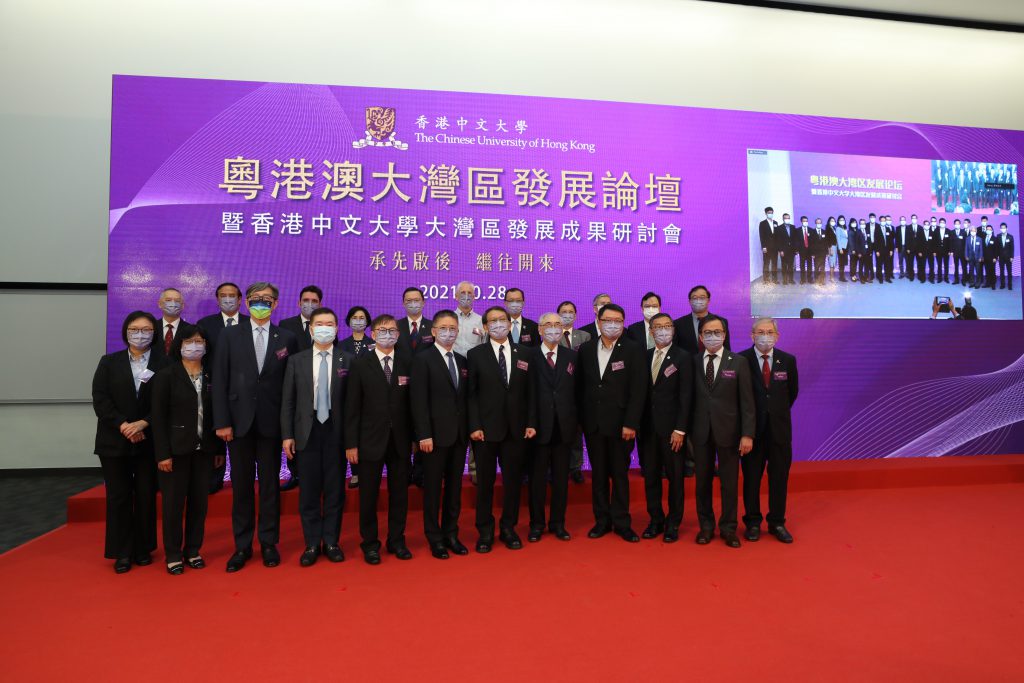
point(410, 394)
point(873, 250)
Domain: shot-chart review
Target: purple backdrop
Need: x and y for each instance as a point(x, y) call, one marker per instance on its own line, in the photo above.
point(869, 388)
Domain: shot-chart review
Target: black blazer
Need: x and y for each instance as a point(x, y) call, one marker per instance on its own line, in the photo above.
point(439, 409)
point(348, 344)
point(638, 333)
point(591, 329)
point(501, 413)
point(773, 404)
point(158, 335)
point(243, 397)
point(298, 404)
point(297, 328)
point(175, 411)
point(529, 333)
point(670, 396)
point(686, 338)
point(114, 401)
point(213, 325)
point(616, 400)
point(727, 409)
point(375, 410)
point(1005, 251)
point(766, 233)
point(555, 395)
point(424, 336)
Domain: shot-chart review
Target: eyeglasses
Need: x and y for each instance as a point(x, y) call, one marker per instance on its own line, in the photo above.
point(662, 327)
point(136, 330)
point(611, 320)
point(386, 330)
point(262, 300)
point(698, 298)
point(714, 334)
point(453, 330)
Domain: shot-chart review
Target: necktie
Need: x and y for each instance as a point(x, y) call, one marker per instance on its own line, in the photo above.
point(766, 373)
point(323, 396)
point(805, 238)
point(659, 356)
point(709, 376)
point(261, 348)
point(502, 365)
point(515, 331)
point(451, 369)
point(551, 360)
point(412, 334)
point(305, 326)
point(567, 340)
point(387, 368)
point(650, 339)
point(231, 321)
point(168, 338)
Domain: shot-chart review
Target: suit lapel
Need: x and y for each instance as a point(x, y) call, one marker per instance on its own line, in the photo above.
point(442, 364)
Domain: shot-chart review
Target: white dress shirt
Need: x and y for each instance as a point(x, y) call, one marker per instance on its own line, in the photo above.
point(467, 339)
point(554, 351)
point(718, 362)
point(316, 370)
point(225, 318)
point(507, 344)
point(138, 367)
point(604, 354)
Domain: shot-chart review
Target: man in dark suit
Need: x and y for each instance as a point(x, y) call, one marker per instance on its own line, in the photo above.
point(378, 432)
point(439, 415)
point(248, 375)
point(502, 415)
point(975, 249)
point(554, 380)
point(613, 386)
point(801, 245)
point(819, 251)
point(229, 301)
point(722, 427)
point(1006, 254)
point(600, 301)
point(522, 331)
point(664, 426)
point(774, 377)
point(880, 242)
point(414, 329)
point(312, 416)
point(905, 239)
point(686, 326)
point(941, 244)
point(573, 339)
point(991, 251)
point(784, 246)
point(957, 243)
point(922, 240)
point(769, 246)
point(310, 299)
point(171, 304)
point(640, 331)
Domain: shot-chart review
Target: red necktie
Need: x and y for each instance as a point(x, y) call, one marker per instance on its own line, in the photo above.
point(412, 334)
point(168, 338)
point(766, 372)
point(551, 361)
point(805, 238)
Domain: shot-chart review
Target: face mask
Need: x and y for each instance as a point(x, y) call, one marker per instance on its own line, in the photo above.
point(818, 226)
point(770, 215)
point(260, 310)
point(699, 305)
point(903, 224)
point(831, 223)
point(712, 344)
point(140, 340)
point(872, 221)
point(324, 334)
point(447, 337)
point(1003, 230)
point(803, 224)
point(787, 221)
point(193, 350)
point(498, 329)
point(413, 308)
point(611, 330)
point(308, 308)
point(842, 223)
point(171, 307)
point(663, 337)
point(567, 318)
point(913, 221)
point(229, 304)
point(386, 340)
point(357, 324)
point(465, 299)
point(552, 335)
point(514, 307)
point(764, 342)
point(650, 312)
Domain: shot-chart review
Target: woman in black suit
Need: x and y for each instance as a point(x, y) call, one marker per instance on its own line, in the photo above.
point(359, 344)
point(124, 444)
point(185, 446)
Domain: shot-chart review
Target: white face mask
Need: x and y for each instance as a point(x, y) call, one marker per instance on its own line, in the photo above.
point(651, 311)
point(324, 334)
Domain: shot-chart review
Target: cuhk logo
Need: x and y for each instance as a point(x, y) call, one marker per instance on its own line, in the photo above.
point(380, 129)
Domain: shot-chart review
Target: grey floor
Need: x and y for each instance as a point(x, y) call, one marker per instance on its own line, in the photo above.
point(32, 504)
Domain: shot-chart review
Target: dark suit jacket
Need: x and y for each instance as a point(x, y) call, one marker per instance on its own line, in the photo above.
point(591, 329)
point(555, 395)
point(686, 338)
point(348, 344)
point(797, 240)
point(616, 400)
point(940, 243)
point(297, 328)
point(375, 409)
point(243, 397)
point(424, 336)
point(175, 410)
point(638, 333)
point(298, 404)
point(529, 333)
point(158, 335)
point(114, 401)
point(502, 413)
point(213, 325)
point(439, 409)
point(1005, 251)
point(667, 407)
point(726, 410)
point(991, 248)
point(774, 403)
point(768, 236)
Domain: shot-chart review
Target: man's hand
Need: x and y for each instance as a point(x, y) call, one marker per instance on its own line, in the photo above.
point(478, 435)
point(289, 448)
point(137, 437)
point(628, 433)
point(530, 432)
point(676, 441)
point(427, 445)
point(165, 465)
point(746, 444)
point(226, 434)
point(352, 455)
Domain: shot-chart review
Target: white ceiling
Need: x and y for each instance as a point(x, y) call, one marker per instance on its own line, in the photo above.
point(1003, 11)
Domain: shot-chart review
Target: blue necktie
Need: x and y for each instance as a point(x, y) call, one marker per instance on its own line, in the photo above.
point(323, 395)
point(515, 331)
point(261, 349)
point(451, 369)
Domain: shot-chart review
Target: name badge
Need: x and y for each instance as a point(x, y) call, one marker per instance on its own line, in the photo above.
point(525, 338)
point(618, 365)
point(146, 375)
point(281, 353)
point(670, 370)
point(731, 374)
point(522, 365)
point(426, 339)
point(780, 375)
point(569, 369)
point(464, 372)
point(403, 380)
point(342, 372)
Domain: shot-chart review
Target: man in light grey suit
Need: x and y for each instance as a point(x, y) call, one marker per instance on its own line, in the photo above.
point(311, 429)
point(572, 339)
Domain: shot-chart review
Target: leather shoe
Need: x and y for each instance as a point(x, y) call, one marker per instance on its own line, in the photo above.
point(561, 534)
point(731, 539)
point(576, 476)
point(290, 484)
point(334, 553)
point(122, 566)
point(511, 540)
point(653, 530)
point(484, 545)
point(144, 560)
point(175, 568)
point(439, 551)
point(308, 557)
point(598, 531)
point(753, 533)
point(271, 558)
point(238, 560)
point(353, 482)
point(534, 535)
point(671, 534)
point(704, 536)
point(628, 535)
point(400, 551)
point(196, 562)
point(780, 532)
point(456, 546)
point(214, 488)
point(371, 556)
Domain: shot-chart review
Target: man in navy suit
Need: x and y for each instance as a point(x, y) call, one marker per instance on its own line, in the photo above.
point(248, 375)
point(522, 330)
point(686, 326)
point(414, 328)
point(591, 328)
point(774, 377)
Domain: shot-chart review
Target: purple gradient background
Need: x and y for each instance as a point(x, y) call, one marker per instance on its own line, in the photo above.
point(170, 138)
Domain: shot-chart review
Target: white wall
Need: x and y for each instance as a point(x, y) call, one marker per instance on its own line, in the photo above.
point(56, 60)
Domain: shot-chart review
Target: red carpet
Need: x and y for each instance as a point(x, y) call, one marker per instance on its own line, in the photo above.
point(891, 584)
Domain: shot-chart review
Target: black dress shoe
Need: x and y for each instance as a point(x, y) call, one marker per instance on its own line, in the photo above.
point(290, 484)
point(439, 551)
point(353, 483)
point(144, 560)
point(628, 535)
point(576, 476)
point(511, 540)
point(534, 535)
point(689, 470)
point(271, 558)
point(175, 568)
point(779, 531)
point(731, 539)
point(704, 536)
point(399, 551)
point(308, 556)
point(671, 534)
point(456, 546)
point(561, 534)
point(238, 560)
point(753, 533)
point(653, 530)
point(484, 545)
point(334, 553)
point(216, 487)
point(598, 531)
point(122, 565)
point(371, 556)
point(196, 562)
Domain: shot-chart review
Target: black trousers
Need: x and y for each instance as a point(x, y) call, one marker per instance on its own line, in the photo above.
point(728, 479)
point(770, 266)
point(787, 268)
point(185, 491)
point(576, 452)
point(217, 476)
point(777, 458)
point(442, 491)
point(609, 460)
point(321, 469)
point(553, 457)
point(805, 267)
point(248, 453)
point(844, 257)
point(930, 259)
point(957, 261)
point(920, 267)
point(131, 505)
point(510, 453)
point(942, 266)
point(907, 264)
point(990, 273)
point(881, 262)
point(1005, 272)
point(659, 454)
point(370, 474)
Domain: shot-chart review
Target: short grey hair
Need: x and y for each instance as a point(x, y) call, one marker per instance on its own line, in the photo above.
point(765, 319)
point(557, 319)
point(258, 286)
point(599, 296)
